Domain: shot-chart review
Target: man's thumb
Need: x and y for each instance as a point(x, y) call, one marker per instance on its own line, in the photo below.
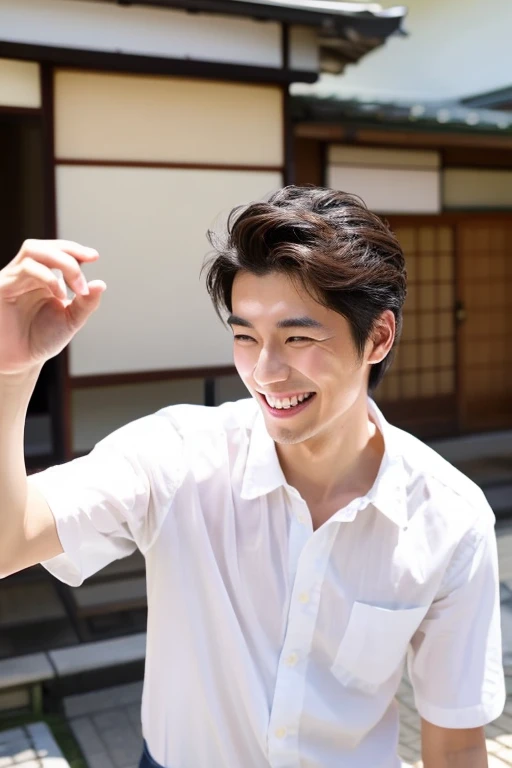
point(83, 306)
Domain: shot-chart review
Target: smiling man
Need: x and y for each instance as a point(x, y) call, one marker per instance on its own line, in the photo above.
point(298, 547)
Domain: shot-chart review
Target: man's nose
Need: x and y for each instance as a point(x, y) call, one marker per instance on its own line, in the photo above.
point(270, 368)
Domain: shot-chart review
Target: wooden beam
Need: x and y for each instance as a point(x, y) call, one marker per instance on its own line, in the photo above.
point(402, 138)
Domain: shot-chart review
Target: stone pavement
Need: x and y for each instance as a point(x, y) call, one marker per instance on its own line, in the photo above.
point(31, 746)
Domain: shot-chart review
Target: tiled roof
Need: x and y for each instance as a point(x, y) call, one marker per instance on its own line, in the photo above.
point(441, 116)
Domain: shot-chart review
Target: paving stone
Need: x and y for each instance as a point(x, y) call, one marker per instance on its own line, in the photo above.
point(506, 741)
point(113, 718)
point(132, 693)
point(505, 722)
point(30, 764)
point(495, 762)
point(13, 736)
point(14, 747)
point(118, 738)
point(45, 746)
point(408, 753)
point(87, 736)
point(124, 756)
point(99, 761)
point(409, 736)
point(25, 756)
point(133, 713)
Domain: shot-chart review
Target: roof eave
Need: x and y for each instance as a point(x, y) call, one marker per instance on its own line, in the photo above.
point(365, 22)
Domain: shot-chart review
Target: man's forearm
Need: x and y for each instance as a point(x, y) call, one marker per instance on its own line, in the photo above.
point(473, 757)
point(15, 394)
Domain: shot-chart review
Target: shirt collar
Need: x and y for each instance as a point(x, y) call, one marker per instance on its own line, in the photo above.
point(388, 493)
point(263, 473)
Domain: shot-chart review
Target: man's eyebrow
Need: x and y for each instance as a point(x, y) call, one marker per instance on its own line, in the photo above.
point(291, 322)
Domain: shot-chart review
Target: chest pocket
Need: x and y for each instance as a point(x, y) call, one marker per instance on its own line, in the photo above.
point(375, 644)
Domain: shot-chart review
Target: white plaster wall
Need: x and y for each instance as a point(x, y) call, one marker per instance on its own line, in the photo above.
point(454, 48)
point(145, 31)
point(465, 188)
point(111, 116)
point(149, 227)
point(304, 50)
point(388, 180)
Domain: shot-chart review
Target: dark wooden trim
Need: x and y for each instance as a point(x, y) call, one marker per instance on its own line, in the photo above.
point(169, 165)
point(59, 393)
point(374, 137)
point(445, 217)
point(389, 167)
point(324, 154)
point(488, 158)
point(24, 111)
point(141, 377)
point(309, 165)
point(288, 159)
point(152, 65)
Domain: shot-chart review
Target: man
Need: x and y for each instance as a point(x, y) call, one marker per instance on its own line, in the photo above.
point(297, 546)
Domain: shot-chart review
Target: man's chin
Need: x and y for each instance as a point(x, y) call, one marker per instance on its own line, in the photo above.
point(283, 434)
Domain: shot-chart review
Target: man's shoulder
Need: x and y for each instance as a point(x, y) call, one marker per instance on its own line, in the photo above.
point(176, 427)
point(440, 479)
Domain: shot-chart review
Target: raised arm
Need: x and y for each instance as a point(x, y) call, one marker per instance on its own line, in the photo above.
point(37, 321)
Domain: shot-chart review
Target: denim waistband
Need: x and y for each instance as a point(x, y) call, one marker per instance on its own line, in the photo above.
point(146, 761)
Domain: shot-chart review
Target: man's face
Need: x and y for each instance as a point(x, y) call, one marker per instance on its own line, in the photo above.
point(296, 357)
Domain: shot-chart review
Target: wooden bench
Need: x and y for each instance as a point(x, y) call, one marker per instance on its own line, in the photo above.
point(26, 675)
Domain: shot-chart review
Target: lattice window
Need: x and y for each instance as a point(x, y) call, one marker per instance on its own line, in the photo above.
point(424, 366)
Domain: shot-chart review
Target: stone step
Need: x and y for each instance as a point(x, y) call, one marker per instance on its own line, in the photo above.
point(30, 746)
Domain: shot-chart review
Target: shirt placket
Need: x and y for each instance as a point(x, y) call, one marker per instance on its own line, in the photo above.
point(309, 557)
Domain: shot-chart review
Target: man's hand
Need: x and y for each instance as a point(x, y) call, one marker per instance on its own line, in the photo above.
point(452, 748)
point(37, 320)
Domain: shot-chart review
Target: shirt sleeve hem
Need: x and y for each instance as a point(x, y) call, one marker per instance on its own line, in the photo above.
point(65, 566)
point(467, 717)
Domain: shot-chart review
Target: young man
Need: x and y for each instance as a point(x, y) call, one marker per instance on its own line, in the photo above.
point(298, 547)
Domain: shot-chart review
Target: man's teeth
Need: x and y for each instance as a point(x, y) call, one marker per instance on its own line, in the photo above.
point(287, 402)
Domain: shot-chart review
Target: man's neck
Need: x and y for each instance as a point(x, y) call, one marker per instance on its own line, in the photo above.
point(332, 469)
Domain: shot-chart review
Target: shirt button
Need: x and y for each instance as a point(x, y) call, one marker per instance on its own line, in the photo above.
point(292, 659)
point(304, 598)
point(301, 519)
point(281, 733)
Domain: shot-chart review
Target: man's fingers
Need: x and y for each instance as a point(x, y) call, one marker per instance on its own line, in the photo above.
point(79, 252)
point(82, 306)
point(56, 259)
point(38, 275)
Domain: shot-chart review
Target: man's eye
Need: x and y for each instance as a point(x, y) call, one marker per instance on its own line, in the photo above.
point(299, 338)
point(242, 337)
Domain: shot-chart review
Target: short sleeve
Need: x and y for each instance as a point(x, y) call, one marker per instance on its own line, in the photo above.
point(114, 500)
point(455, 658)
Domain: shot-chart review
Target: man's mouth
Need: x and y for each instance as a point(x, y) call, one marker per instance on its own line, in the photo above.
point(284, 406)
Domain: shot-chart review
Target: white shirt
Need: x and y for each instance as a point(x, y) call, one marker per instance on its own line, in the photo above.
point(269, 644)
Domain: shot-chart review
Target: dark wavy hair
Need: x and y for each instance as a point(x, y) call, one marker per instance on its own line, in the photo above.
point(344, 255)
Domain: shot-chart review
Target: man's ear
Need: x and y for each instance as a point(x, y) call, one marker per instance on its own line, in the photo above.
point(382, 337)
